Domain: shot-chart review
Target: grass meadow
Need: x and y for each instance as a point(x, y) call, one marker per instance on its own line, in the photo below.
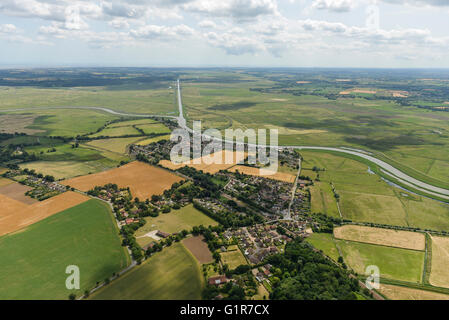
point(172, 274)
point(34, 260)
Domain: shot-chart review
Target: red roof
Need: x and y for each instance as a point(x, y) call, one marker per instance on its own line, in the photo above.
point(217, 280)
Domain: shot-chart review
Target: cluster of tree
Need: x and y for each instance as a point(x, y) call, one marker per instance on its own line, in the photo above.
point(301, 273)
point(230, 219)
point(324, 223)
point(205, 180)
point(230, 291)
point(130, 241)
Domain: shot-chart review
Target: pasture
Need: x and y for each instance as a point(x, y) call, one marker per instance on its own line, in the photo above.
point(233, 258)
point(198, 247)
point(142, 179)
point(325, 243)
point(173, 274)
point(393, 263)
point(34, 260)
point(439, 275)
point(151, 140)
point(365, 197)
point(384, 237)
point(175, 221)
point(16, 215)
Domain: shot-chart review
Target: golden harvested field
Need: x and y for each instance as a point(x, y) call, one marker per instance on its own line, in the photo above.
point(16, 215)
point(439, 275)
point(281, 176)
point(384, 237)
point(237, 157)
point(404, 293)
point(5, 182)
point(143, 180)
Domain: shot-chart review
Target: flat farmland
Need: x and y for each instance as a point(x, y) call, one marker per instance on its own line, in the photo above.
point(251, 171)
point(151, 140)
point(153, 128)
point(325, 243)
point(116, 132)
point(384, 237)
point(233, 258)
point(174, 221)
point(5, 182)
point(34, 260)
point(393, 263)
point(117, 145)
point(17, 192)
point(142, 179)
point(172, 274)
point(204, 162)
point(403, 293)
point(16, 215)
point(439, 276)
point(198, 247)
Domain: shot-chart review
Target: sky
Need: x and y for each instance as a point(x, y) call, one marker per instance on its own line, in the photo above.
point(225, 33)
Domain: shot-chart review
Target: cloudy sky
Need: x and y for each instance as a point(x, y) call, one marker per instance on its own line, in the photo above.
point(298, 33)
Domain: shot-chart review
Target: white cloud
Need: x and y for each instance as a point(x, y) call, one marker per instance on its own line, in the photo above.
point(162, 32)
point(334, 5)
point(7, 28)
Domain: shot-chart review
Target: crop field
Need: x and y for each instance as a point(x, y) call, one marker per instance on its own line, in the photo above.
point(384, 237)
point(151, 140)
point(235, 158)
point(251, 171)
point(325, 243)
point(393, 263)
point(5, 182)
point(34, 261)
point(440, 261)
point(174, 221)
point(117, 145)
point(403, 293)
point(17, 215)
point(173, 274)
point(17, 192)
point(233, 258)
point(142, 179)
point(154, 128)
point(198, 247)
point(129, 123)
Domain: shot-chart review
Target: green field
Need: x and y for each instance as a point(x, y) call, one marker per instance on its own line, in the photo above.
point(173, 274)
point(115, 132)
point(365, 197)
point(175, 221)
point(393, 263)
point(233, 258)
point(117, 145)
point(156, 128)
point(326, 243)
point(34, 260)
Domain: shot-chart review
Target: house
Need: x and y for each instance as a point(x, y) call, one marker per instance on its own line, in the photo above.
point(148, 246)
point(217, 280)
point(162, 234)
point(129, 221)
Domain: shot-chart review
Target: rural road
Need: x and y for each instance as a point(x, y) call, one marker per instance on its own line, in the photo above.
point(387, 168)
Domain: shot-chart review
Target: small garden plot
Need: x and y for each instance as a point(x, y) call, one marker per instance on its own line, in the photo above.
point(233, 259)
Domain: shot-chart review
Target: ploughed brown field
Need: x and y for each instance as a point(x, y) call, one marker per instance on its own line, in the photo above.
point(143, 179)
point(16, 215)
point(198, 247)
point(17, 192)
point(205, 165)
